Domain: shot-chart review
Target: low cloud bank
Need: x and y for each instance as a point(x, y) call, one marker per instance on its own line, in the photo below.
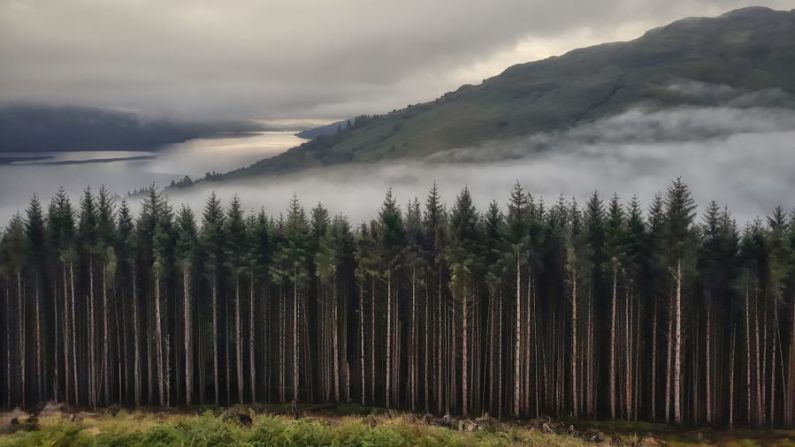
point(743, 158)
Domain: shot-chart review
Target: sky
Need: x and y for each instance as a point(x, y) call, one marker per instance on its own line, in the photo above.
point(283, 60)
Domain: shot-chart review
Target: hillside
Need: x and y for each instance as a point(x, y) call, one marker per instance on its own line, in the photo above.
point(694, 61)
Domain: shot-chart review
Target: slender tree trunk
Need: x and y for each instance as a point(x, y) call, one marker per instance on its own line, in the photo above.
point(75, 372)
point(426, 377)
point(252, 357)
point(678, 345)
point(335, 341)
point(669, 361)
point(227, 349)
point(57, 375)
point(771, 415)
point(653, 390)
point(758, 420)
point(188, 322)
point(8, 342)
point(748, 389)
point(295, 339)
point(574, 395)
point(372, 337)
point(21, 327)
point(161, 382)
point(39, 370)
point(136, 341)
point(731, 379)
point(363, 372)
point(282, 345)
point(628, 355)
point(708, 370)
point(413, 336)
point(499, 355)
point(92, 373)
point(613, 303)
point(464, 354)
point(388, 370)
point(238, 341)
point(789, 410)
point(106, 368)
point(214, 337)
point(517, 343)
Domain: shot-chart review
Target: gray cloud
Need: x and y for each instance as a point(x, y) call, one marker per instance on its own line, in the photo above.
point(741, 158)
point(636, 126)
point(296, 58)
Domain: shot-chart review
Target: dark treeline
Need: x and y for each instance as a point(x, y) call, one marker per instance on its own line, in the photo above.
point(607, 310)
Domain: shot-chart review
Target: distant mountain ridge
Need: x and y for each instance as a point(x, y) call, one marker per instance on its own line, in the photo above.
point(30, 128)
point(726, 60)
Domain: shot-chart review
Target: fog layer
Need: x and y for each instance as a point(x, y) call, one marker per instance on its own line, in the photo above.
point(743, 158)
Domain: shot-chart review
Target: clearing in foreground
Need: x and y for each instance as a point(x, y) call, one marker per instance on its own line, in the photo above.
point(244, 426)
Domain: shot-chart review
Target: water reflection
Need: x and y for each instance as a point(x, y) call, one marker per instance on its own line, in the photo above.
point(43, 173)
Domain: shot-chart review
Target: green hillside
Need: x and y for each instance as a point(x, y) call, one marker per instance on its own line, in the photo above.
point(742, 51)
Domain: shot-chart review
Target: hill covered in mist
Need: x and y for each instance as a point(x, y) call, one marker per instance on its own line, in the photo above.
point(742, 59)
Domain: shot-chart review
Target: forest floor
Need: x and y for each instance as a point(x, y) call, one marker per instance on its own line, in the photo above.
point(343, 426)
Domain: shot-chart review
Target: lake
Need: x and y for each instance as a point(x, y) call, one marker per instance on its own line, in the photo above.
point(43, 173)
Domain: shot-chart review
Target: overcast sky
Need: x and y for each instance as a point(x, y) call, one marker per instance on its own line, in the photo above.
point(296, 59)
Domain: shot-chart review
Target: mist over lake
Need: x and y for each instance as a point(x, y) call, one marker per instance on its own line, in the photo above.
point(43, 173)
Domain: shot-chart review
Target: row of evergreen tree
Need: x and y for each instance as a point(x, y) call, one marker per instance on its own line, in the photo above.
point(601, 311)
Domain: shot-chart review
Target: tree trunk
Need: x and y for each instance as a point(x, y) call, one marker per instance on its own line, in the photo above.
point(517, 342)
point(412, 337)
point(21, 327)
point(336, 346)
point(252, 358)
point(426, 377)
point(106, 337)
point(238, 341)
point(372, 337)
point(159, 341)
point(669, 361)
point(388, 369)
point(188, 322)
point(136, 342)
point(363, 372)
point(75, 373)
point(56, 390)
point(731, 379)
point(749, 391)
point(464, 355)
point(499, 355)
point(214, 337)
point(789, 410)
point(295, 339)
point(758, 420)
point(707, 355)
point(574, 395)
point(92, 376)
point(653, 390)
point(39, 371)
point(613, 345)
point(678, 345)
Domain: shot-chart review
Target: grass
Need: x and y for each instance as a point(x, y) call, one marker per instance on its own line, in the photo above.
point(211, 428)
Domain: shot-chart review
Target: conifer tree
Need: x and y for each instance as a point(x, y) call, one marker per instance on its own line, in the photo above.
point(212, 241)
